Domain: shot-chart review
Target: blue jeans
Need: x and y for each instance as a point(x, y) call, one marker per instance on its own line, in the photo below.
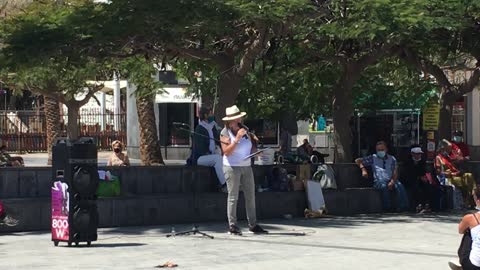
point(402, 198)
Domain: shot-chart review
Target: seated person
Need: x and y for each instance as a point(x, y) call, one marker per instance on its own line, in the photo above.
point(414, 178)
point(6, 160)
point(205, 140)
point(470, 225)
point(460, 146)
point(118, 158)
point(306, 151)
point(445, 166)
point(385, 176)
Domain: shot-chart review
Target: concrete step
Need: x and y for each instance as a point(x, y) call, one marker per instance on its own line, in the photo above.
point(179, 208)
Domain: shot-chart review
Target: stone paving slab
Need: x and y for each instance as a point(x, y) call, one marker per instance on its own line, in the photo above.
point(359, 242)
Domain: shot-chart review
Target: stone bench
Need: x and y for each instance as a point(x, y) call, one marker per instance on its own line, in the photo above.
point(32, 182)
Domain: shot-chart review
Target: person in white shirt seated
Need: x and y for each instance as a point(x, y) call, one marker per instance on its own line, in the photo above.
point(205, 142)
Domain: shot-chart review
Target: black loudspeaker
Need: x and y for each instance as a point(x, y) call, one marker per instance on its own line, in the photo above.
point(74, 200)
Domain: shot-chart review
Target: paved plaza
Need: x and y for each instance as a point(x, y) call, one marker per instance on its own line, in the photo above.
point(359, 242)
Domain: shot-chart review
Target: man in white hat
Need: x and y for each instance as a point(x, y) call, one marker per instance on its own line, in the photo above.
point(237, 145)
point(414, 178)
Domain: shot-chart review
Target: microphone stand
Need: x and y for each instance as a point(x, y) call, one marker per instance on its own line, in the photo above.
point(201, 135)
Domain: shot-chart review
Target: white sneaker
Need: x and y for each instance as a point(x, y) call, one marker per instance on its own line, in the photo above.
point(455, 265)
point(9, 221)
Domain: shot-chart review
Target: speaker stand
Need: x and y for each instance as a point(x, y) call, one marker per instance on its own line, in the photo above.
point(193, 231)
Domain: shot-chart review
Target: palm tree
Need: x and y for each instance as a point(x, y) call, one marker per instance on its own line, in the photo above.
point(52, 115)
point(150, 152)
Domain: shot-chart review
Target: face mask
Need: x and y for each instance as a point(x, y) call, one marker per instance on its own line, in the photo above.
point(381, 154)
point(210, 119)
point(457, 138)
point(116, 150)
point(416, 160)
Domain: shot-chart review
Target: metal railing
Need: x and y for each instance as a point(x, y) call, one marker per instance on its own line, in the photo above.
point(26, 131)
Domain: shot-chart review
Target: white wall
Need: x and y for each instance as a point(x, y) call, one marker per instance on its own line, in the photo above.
point(473, 118)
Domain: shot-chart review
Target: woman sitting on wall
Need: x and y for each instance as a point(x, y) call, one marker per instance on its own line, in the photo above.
point(445, 167)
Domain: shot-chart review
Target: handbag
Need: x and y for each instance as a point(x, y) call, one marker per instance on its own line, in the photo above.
point(431, 180)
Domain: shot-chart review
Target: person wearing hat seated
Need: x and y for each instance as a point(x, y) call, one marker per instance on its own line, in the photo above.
point(463, 152)
point(237, 145)
point(118, 158)
point(445, 167)
point(416, 182)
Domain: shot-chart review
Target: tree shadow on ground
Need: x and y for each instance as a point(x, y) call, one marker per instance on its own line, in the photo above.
point(277, 225)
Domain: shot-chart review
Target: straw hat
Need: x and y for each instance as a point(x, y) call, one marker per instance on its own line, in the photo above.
point(233, 113)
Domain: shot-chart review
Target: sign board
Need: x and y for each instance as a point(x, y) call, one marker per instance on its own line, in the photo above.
point(431, 116)
point(174, 95)
point(60, 209)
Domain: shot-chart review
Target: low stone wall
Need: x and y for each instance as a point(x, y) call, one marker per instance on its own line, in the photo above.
point(34, 213)
point(32, 182)
point(179, 194)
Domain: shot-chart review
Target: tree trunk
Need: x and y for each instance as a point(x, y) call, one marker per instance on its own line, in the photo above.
point(53, 123)
point(228, 90)
point(73, 130)
point(447, 100)
point(150, 152)
point(342, 113)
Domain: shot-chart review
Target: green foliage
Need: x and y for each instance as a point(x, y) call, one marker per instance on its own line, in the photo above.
point(391, 84)
point(139, 71)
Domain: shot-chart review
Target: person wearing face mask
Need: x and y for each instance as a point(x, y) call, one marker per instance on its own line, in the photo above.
point(237, 145)
point(205, 140)
point(463, 152)
point(414, 177)
point(445, 167)
point(385, 176)
point(118, 158)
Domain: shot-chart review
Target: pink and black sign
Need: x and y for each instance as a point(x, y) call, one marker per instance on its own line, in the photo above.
point(60, 209)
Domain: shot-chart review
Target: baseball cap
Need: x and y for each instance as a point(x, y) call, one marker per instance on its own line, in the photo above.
point(416, 150)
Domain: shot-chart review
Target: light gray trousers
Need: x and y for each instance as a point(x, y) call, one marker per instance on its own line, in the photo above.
point(237, 177)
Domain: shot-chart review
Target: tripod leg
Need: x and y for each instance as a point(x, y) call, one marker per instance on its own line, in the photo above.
point(206, 235)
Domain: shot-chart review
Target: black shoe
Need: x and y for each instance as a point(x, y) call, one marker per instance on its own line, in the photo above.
point(234, 230)
point(257, 230)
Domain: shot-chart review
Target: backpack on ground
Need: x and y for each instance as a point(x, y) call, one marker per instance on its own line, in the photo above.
point(326, 176)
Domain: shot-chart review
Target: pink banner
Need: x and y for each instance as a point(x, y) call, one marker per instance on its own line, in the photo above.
point(60, 209)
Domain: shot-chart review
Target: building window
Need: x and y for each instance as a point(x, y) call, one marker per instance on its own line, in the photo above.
point(172, 134)
point(458, 116)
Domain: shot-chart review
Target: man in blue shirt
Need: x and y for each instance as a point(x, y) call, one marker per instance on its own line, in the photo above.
point(385, 176)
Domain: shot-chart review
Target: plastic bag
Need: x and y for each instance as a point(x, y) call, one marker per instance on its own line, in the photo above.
point(110, 187)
